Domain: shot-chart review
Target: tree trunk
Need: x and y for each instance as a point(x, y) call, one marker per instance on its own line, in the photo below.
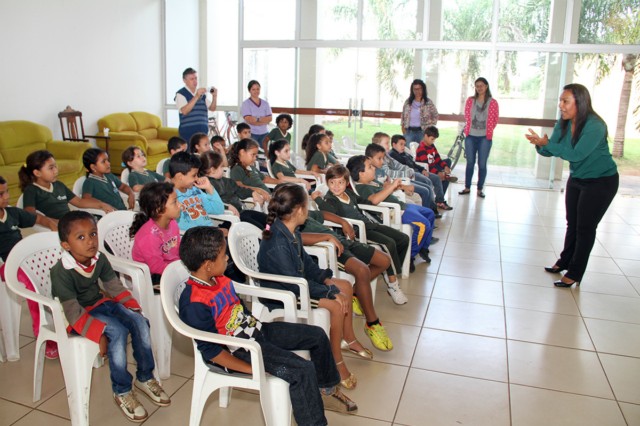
point(628, 65)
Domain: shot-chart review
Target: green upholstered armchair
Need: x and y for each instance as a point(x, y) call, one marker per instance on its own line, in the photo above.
point(20, 138)
point(136, 128)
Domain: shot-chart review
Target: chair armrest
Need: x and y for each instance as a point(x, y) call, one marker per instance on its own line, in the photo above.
point(326, 254)
point(385, 211)
point(167, 133)
point(305, 304)
point(67, 150)
point(140, 278)
point(287, 298)
point(397, 211)
point(126, 139)
point(226, 217)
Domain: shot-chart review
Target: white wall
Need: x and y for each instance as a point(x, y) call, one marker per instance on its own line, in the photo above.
point(99, 57)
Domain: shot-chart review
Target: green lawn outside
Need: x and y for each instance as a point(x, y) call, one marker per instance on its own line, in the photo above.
point(510, 148)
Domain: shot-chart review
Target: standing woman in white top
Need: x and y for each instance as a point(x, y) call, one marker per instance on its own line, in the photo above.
point(256, 113)
point(418, 113)
point(481, 114)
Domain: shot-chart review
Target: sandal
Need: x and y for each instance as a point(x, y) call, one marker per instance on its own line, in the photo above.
point(465, 191)
point(350, 382)
point(364, 353)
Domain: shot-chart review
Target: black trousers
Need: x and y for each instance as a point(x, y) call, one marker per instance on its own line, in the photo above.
point(586, 201)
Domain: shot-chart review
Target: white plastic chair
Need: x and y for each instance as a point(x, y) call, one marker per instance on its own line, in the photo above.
point(10, 307)
point(160, 166)
point(77, 189)
point(319, 180)
point(36, 254)
point(36, 227)
point(124, 176)
point(274, 392)
point(113, 229)
point(244, 243)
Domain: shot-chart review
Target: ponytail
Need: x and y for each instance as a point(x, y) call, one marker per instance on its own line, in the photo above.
point(34, 161)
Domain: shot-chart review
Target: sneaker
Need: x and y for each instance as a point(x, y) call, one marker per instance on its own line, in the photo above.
point(356, 307)
point(444, 206)
point(397, 295)
point(51, 350)
point(131, 407)
point(378, 336)
point(152, 389)
point(337, 401)
point(424, 254)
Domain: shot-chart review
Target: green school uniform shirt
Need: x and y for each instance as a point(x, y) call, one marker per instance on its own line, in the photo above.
point(254, 178)
point(104, 189)
point(52, 202)
point(365, 190)
point(137, 178)
point(14, 219)
point(287, 169)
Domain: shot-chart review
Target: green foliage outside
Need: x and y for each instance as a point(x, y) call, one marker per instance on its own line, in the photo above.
point(510, 147)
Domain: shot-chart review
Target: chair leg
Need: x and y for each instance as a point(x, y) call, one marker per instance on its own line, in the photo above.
point(78, 382)
point(275, 402)
point(161, 340)
point(225, 396)
point(38, 367)
point(10, 309)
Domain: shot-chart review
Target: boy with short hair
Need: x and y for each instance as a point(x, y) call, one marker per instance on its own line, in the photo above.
point(209, 303)
point(244, 131)
point(421, 219)
point(219, 145)
point(428, 153)
point(399, 153)
point(197, 197)
point(106, 320)
point(423, 186)
point(174, 145)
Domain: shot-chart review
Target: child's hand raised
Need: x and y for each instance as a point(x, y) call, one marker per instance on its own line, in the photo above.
point(204, 184)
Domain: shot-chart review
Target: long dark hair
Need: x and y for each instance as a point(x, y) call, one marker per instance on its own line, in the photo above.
point(90, 157)
point(234, 152)
point(312, 145)
point(34, 161)
point(285, 198)
point(487, 95)
point(153, 201)
point(276, 146)
point(315, 128)
point(412, 97)
point(583, 110)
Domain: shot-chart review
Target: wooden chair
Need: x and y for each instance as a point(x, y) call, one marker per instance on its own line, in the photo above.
point(73, 129)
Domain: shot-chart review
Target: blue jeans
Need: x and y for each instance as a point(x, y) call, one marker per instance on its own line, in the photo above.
point(424, 188)
point(120, 323)
point(478, 146)
point(277, 340)
point(413, 136)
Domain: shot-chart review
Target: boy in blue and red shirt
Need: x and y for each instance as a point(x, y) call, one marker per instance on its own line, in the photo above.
point(428, 153)
point(210, 303)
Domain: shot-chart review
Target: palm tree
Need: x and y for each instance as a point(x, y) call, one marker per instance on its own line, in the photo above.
point(614, 21)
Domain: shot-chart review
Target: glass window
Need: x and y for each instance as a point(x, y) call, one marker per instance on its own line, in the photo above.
point(275, 69)
point(269, 20)
point(609, 21)
point(390, 20)
point(329, 20)
point(524, 21)
point(182, 43)
point(222, 43)
point(466, 20)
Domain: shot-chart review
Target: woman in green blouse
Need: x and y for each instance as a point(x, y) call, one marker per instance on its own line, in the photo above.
point(580, 137)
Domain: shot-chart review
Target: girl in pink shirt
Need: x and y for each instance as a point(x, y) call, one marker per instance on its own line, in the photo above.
point(157, 236)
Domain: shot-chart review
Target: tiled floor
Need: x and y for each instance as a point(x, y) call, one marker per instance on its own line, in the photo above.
point(485, 338)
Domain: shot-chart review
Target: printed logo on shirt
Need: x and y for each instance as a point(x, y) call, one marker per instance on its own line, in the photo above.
point(168, 245)
point(14, 227)
point(193, 207)
point(61, 197)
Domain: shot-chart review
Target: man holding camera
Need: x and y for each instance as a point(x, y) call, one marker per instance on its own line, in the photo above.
point(193, 104)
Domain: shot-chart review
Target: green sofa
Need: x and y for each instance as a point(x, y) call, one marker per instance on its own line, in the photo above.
point(20, 138)
point(135, 128)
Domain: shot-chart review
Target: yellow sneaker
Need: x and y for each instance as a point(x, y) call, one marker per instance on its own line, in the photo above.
point(355, 305)
point(379, 337)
